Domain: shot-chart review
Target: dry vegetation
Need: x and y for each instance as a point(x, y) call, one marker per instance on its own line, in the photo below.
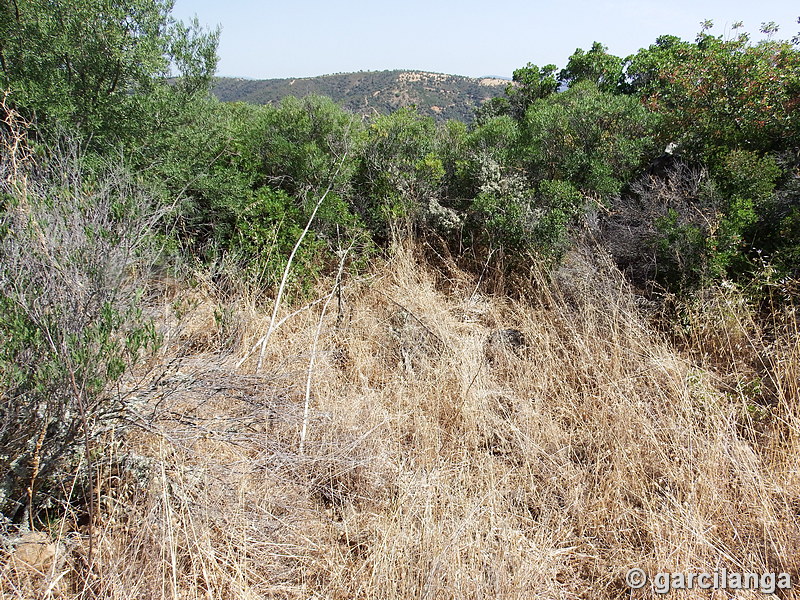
point(433, 466)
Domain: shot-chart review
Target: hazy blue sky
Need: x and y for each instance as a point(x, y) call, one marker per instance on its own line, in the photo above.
point(303, 38)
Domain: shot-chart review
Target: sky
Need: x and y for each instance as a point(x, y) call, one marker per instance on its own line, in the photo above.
point(304, 38)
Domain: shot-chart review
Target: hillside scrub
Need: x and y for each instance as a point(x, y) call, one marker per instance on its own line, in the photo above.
point(443, 97)
point(288, 352)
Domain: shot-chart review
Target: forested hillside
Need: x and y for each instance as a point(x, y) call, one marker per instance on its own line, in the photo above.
point(443, 97)
point(297, 350)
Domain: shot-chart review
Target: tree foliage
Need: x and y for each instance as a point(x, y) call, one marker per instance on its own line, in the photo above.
point(532, 83)
point(100, 66)
point(597, 66)
point(718, 93)
point(591, 138)
point(733, 106)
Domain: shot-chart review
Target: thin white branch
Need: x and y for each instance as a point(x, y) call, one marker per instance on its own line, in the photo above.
point(272, 323)
point(312, 358)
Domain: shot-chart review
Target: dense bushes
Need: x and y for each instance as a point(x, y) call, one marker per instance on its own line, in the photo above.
point(729, 106)
point(529, 170)
point(516, 184)
point(520, 177)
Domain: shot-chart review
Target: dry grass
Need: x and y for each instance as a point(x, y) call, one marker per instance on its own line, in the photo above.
point(430, 472)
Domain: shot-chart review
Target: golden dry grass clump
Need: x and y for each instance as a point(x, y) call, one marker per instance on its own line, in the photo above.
point(428, 471)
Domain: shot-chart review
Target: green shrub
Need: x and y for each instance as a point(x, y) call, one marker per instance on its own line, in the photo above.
point(267, 230)
point(526, 223)
point(305, 145)
point(595, 140)
point(206, 161)
point(400, 169)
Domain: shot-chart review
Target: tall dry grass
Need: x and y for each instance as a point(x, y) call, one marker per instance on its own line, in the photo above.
point(431, 471)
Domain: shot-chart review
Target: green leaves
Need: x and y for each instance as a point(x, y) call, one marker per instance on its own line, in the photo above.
point(533, 83)
point(267, 229)
point(305, 144)
point(99, 66)
point(592, 139)
point(597, 66)
point(527, 223)
point(732, 106)
point(400, 168)
point(721, 93)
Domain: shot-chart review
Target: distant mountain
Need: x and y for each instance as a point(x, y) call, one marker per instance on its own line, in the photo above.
point(368, 92)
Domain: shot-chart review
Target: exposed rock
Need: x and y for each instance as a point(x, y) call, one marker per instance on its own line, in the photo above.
point(35, 551)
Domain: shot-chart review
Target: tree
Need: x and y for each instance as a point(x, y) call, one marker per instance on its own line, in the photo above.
point(596, 65)
point(718, 93)
point(532, 83)
point(100, 66)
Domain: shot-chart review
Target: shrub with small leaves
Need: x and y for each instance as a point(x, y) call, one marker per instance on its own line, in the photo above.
point(71, 248)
